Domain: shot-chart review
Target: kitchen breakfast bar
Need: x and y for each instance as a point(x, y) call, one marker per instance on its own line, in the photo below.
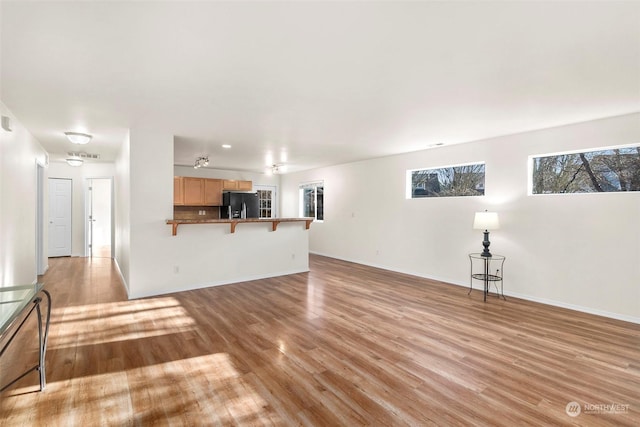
point(192, 253)
point(234, 222)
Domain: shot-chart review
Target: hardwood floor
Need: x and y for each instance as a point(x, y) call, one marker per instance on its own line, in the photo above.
point(343, 345)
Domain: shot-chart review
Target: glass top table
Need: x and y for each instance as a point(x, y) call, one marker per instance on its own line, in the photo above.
point(14, 301)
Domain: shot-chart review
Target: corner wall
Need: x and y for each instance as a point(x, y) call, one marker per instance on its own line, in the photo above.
point(579, 251)
point(200, 255)
point(122, 204)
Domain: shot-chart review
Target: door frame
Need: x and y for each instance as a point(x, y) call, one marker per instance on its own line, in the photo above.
point(41, 264)
point(87, 200)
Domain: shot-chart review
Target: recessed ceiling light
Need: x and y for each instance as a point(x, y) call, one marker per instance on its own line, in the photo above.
point(226, 146)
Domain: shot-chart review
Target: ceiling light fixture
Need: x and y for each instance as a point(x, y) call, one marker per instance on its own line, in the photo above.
point(201, 162)
point(226, 146)
point(276, 169)
point(78, 138)
point(74, 161)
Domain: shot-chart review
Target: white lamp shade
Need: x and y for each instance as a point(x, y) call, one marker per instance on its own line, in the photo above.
point(486, 221)
point(78, 138)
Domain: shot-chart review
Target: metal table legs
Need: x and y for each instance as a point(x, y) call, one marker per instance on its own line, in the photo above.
point(43, 336)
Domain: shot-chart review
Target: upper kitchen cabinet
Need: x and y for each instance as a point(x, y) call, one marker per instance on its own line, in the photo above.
point(213, 192)
point(200, 191)
point(235, 185)
point(178, 191)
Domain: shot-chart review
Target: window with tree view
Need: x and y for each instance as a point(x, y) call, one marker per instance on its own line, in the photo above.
point(312, 200)
point(463, 180)
point(606, 170)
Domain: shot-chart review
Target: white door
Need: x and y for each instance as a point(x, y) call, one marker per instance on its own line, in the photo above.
point(59, 217)
point(99, 217)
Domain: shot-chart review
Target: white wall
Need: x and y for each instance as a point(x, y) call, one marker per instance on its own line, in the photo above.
point(579, 251)
point(19, 152)
point(200, 255)
point(78, 176)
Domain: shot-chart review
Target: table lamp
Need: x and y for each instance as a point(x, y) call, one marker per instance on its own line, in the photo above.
point(486, 221)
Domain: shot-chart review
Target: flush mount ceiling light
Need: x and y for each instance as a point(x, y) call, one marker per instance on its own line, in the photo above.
point(78, 138)
point(74, 161)
point(201, 162)
point(226, 146)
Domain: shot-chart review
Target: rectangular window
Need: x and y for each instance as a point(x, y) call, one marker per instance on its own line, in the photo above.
point(312, 200)
point(605, 170)
point(461, 180)
point(266, 202)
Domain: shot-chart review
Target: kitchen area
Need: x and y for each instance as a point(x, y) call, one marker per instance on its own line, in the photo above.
point(221, 201)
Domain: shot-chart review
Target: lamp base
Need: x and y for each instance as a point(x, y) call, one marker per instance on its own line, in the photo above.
point(486, 243)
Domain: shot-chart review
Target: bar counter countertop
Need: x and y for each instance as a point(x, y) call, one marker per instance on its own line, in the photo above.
point(235, 221)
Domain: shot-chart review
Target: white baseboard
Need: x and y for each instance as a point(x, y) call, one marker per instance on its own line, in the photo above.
point(218, 283)
point(555, 303)
point(561, 304)
point(124, 282)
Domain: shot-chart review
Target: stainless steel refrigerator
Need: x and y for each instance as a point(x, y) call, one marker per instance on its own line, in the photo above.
point(239, 205)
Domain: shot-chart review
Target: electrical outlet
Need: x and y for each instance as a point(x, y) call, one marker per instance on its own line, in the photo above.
point(293, 256)
point(176, 269)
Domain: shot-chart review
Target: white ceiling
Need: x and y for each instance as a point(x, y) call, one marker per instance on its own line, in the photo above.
point(327, 82)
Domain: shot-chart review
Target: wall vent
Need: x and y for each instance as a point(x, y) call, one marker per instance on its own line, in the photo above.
point(83, 155)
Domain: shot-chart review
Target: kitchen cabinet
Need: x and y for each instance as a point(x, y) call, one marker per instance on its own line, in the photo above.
point(236, 185)
point(178, 191)
point(201, 191)
point(212, 192)
point(193, 191)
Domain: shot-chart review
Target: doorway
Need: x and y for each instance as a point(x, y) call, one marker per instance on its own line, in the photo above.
point(99, 218)
point(59, 217)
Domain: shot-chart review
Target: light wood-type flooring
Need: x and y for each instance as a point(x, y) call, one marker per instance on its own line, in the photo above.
point(342, 345)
